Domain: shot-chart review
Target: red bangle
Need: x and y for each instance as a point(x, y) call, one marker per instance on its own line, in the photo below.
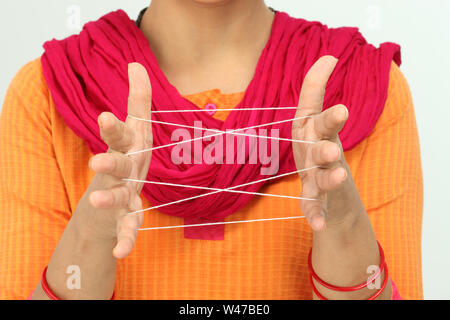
point(47, 290)
point(383, 286)
point(45, 286)
point(346, 289)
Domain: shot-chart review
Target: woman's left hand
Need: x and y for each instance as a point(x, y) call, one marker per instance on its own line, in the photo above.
point(322, 128)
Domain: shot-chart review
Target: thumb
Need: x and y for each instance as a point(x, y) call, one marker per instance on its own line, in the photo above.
point(140, 92)
point(313, 88)
point(140, 100)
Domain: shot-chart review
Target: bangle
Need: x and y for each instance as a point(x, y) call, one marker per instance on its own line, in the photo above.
point(47, 289)
point(379, 291)
point(45, 286)
point(382, 267)
point(354, 288)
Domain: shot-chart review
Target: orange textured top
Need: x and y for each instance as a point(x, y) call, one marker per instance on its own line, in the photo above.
point(44, 172)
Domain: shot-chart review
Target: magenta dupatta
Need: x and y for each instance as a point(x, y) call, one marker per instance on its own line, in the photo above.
point(87, 75)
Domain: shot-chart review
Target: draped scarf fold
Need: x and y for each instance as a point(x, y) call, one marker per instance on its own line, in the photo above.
point(87, 75)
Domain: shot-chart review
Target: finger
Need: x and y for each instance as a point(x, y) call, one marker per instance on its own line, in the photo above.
point(317, 221)
point(136, 205)
point(126, 237)
point(113, 163)
point(328, 123)
point(330, 179)
point(140, 99)
point(115, 133)
point(313, 210)
point(325, 153)
point(314, 85)
point(314, 214)
point(140, 91)
point(117, 197)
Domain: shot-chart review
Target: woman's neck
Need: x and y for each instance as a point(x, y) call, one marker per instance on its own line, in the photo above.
point(201, 47)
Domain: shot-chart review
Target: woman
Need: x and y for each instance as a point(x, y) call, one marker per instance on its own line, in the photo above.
point(75, 213)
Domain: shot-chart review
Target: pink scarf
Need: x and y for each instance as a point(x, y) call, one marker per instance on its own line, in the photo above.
point(87, 75)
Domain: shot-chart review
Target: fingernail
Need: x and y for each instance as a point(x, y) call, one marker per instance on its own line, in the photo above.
point(100, 122)
point(102, 119)
point(346, 113)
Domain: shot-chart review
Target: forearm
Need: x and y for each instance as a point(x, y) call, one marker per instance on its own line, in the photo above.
point(92, 255)
point(344, 251)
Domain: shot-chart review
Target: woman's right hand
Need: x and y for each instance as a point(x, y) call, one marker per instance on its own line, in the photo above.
point(102, 213)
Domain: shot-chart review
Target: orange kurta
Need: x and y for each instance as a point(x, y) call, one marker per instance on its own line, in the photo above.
point(44, 172)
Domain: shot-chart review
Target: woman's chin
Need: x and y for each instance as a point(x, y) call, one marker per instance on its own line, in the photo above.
point(211, 2)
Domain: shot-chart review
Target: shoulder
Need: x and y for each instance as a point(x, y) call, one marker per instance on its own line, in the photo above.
point(29, 80)
point(399, 97)
point(27, 100)
point(399, 104)
point(317, 28)
point(398, 82)
point(339, 41)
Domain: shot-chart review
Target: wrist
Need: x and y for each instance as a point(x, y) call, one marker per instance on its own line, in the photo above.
point(81, 247)
point(92, 223)
point(89, 230)
point(344, 208)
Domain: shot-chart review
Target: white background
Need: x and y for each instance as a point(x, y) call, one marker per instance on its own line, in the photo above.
point(420, 26)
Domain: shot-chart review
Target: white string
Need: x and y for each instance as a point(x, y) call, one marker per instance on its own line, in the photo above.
point(220, 223)
point(223, 190)
point(217, 189)
point(216, 110)
point(219, 131)
point(216, 134)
